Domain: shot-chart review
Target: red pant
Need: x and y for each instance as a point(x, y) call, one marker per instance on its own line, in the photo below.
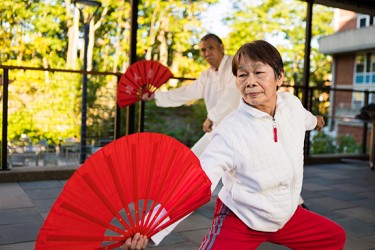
point(305, 230)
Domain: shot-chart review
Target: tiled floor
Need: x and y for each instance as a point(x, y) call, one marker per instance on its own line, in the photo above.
point(344, 192)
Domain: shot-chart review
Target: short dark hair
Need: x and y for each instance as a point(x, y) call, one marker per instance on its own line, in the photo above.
point(213, 36)
point(259, 51)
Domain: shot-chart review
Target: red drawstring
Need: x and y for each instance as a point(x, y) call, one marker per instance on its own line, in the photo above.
point(274, 130)
point(275, 134)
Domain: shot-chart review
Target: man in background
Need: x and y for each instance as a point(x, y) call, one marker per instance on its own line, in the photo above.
point(216, 86)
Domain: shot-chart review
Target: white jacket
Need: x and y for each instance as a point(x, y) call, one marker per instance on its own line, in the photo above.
point(262, 179)
point(217, 88)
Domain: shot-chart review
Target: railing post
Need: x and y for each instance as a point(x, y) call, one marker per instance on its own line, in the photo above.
point(365, 125)
point(306, 61)
point(130, 111)
point(117, 116)
point(309, 97)
point(4, 140)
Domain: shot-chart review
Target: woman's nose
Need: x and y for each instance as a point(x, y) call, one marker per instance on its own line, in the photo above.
point(250, 82)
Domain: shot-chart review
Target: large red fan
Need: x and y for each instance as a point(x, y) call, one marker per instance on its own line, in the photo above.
point(139, 183)
point(142, 77)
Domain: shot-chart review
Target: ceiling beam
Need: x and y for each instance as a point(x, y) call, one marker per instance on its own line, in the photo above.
point(358, 6)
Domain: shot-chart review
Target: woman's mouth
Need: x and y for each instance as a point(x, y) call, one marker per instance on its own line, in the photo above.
point(252, 94)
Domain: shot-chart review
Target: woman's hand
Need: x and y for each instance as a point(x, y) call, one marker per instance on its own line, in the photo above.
point(138, 242)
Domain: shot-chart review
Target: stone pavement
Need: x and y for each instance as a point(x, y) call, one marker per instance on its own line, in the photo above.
point(344, 192)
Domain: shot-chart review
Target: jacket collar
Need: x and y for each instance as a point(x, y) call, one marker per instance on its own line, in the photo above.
point(256, 112)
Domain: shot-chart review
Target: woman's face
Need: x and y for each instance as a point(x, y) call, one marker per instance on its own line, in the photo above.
point(257, 84)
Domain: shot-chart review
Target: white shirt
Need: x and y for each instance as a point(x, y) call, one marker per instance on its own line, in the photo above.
point(262, 179)
point(217, 88)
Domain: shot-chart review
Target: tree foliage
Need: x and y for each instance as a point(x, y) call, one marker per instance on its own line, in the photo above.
point(282, 23)
point(48, 33)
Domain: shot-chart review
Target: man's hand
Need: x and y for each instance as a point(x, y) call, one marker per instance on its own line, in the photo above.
point(319, 122)
point(138, 242)
point(147, 97)
point(207, 125)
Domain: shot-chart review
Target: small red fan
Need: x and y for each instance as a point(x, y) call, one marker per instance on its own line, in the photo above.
point(142, 77)
point(139, 183)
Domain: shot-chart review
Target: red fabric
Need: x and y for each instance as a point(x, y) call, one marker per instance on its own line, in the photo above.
point(305, 230)
point(142, 77)
point(108, 197)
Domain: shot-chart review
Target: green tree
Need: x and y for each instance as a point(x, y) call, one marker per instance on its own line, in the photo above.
point(44, 33)
point(283, 23)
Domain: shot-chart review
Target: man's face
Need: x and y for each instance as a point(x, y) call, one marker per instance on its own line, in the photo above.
point(212, 51)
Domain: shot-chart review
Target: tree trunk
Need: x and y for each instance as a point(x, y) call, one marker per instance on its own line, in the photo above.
point(90, 48)
point(93, 27)
point(152, 35)
point(73, 36)
point(162, 38)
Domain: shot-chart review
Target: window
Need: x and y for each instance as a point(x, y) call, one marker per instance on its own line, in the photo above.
point(360, 64)
point(372, 63)
point(357, 100)
point(363, 21)
point(365, 69)
point(359, 76)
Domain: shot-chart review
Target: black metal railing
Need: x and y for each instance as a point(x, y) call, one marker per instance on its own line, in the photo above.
point(184, 123)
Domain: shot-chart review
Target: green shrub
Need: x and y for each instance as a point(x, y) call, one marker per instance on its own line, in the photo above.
point(347, 144)
point(323, 144)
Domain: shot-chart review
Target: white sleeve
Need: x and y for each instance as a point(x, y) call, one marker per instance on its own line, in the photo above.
point(310, 120)
point(180, 96)
point(229, 100)
point(216, 159)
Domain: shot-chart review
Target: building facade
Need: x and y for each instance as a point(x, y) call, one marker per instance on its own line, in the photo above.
point(352, 48)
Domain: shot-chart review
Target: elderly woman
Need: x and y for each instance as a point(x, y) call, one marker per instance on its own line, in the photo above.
point(257, 151)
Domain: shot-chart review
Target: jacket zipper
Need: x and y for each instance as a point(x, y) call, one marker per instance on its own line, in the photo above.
point(274, 129)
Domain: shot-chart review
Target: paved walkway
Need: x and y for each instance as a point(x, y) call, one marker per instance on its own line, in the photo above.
point(344, 192)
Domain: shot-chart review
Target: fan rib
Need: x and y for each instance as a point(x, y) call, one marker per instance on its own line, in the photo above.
point(148, 187)
point(105, 201)
point(157, 71)
point(91, 218)
point(163, 180)
point(54, 237)
point(135, 179)
point(121, 193)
